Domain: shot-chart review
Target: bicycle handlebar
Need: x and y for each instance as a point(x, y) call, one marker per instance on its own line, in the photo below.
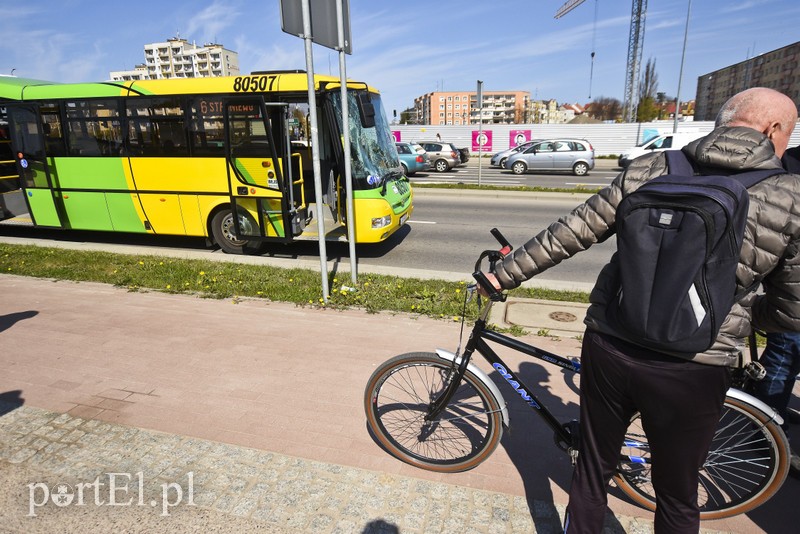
point(494, 256)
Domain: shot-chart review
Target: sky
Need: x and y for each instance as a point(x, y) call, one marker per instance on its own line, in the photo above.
point(405, 49)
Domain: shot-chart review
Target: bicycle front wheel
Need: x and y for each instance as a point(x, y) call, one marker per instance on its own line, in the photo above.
point(746, 465)
point(397, 399)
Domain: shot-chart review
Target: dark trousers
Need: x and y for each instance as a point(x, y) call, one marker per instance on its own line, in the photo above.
point(680, 402)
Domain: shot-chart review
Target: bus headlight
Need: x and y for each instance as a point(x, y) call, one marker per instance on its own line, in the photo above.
point(380, 222)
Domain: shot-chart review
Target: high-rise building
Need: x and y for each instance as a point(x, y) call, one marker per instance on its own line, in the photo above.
point(461, 107)
point(178, 58)
point(777, 70)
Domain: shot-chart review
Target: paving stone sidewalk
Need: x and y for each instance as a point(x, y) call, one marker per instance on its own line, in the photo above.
point(45, 456)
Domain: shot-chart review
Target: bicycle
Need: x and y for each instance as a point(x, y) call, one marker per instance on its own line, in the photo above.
point(439, 411)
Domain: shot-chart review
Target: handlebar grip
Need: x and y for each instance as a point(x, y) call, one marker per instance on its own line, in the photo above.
point(503, 241)
point(484, 282)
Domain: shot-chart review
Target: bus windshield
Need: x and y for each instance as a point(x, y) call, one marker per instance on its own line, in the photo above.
point(372, 150)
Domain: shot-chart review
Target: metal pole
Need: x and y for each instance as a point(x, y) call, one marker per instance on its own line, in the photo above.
point(480, 128)
point(348, 176)
point(312, 104)
point(680, 72)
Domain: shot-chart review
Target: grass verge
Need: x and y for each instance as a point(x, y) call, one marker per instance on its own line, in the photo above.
point(219, 280)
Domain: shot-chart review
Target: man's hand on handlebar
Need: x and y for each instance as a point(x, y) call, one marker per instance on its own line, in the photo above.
point(488, 286)
point(493, 280)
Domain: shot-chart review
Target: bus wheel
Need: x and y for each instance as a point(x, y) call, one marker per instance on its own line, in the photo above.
point(224, 234)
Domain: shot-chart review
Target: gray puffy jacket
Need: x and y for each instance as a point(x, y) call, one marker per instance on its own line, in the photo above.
point(770, 253)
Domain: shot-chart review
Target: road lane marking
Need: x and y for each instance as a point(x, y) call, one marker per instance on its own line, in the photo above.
point(420, 222)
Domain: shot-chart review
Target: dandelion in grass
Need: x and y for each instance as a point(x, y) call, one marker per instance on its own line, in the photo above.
point(141, 263)
point(202, 273)
point(169, 286)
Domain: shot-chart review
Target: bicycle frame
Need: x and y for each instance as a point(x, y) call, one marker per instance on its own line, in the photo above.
point(478, 342)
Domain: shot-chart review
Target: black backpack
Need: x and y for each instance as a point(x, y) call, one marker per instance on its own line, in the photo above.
point(679, 237)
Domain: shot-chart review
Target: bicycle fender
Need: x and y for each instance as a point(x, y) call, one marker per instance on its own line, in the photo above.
point(484, 378)
point(756, 403)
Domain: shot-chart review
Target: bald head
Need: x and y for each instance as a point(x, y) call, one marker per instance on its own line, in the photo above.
point(766, 110)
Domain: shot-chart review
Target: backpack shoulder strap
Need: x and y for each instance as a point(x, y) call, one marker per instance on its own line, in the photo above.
point(678, 163)
point(751, 178)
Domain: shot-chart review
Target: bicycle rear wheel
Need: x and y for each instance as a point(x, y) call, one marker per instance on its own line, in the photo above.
point(746, 465)
point(396, 402)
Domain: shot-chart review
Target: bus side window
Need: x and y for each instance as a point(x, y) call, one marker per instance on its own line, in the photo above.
point(155, 127)
point(51, 128)
point(206, 127)
point(93, 128)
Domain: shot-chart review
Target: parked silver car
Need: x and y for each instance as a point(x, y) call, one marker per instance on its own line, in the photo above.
point(499, 159)
point(576, 155)
point(444, 156)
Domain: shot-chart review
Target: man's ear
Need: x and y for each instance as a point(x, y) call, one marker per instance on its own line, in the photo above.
point(772, 128)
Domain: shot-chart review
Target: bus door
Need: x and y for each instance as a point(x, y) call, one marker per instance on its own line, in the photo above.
point(28, 146)
point(259, 174)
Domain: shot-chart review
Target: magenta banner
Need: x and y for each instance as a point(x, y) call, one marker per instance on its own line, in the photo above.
point(517, 137)
point(397, 136)
point(481, 141)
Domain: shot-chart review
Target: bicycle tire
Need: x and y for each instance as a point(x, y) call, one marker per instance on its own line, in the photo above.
point(396, 401)
point(746, 465)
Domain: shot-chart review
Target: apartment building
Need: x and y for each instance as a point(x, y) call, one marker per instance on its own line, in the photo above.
point(777, 69)
point(178, 58)
point(461, 107)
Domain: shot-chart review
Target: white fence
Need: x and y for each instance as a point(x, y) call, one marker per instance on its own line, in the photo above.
point(605, 138)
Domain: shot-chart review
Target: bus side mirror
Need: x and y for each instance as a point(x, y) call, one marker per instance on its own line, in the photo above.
point(366, 110)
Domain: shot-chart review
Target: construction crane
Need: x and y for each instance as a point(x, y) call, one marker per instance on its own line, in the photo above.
point(635, 46)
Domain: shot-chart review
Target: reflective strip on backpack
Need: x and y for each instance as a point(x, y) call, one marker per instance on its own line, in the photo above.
point(697, 306)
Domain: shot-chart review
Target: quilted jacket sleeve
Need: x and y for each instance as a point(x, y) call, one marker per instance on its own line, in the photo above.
point(778, 308)
point(585, 225)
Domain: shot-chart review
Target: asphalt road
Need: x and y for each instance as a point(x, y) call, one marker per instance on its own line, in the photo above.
point(446, 234)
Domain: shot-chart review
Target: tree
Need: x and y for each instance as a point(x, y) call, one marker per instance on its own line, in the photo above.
point(409, 116)
point(606, 108)
point(648, 89)
point(647, 109)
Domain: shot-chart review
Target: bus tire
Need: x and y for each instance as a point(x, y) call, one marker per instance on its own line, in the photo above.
point(222, 230)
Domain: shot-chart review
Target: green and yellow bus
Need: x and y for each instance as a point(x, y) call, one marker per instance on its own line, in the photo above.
point(182, 156)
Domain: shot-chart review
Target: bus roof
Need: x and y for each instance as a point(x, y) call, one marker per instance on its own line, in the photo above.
point(14, 88)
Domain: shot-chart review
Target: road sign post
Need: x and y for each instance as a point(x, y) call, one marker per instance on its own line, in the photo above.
point(327, 23)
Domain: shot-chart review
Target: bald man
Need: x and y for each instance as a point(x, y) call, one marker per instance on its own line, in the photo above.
point(679, 395)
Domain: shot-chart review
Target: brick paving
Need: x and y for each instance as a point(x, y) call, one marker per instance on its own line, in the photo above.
point(40, 450)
